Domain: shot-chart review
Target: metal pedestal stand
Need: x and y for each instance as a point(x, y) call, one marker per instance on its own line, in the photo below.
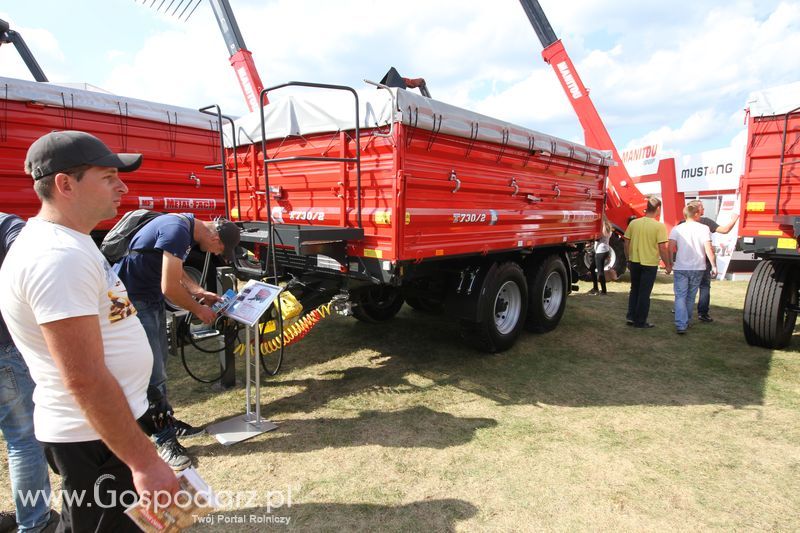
point(250, 424)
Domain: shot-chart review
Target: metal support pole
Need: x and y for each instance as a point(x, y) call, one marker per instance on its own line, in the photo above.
point(227, 360)
point(250, 424)
point(226, 279)
point(248, 353)
point(256, 367)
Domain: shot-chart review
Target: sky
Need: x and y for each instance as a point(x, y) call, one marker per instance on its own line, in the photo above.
point(677, 72)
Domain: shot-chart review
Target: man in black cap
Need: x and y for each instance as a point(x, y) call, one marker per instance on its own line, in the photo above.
point(153, 269)
point(70, 317)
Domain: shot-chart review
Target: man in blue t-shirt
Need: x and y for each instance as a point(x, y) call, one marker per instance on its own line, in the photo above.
point(153, 269)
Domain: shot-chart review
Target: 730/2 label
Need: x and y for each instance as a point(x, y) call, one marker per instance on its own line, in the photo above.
point(469, 218)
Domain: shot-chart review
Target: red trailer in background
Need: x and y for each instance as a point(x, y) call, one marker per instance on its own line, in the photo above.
point(769, 224)
point(178, 144)
point(385, 196)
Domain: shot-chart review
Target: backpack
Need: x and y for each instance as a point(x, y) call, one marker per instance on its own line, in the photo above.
point(116, 243)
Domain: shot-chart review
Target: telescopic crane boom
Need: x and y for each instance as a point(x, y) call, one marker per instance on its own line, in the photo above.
point(9, 36)
point(623, 199)
point(240, 57)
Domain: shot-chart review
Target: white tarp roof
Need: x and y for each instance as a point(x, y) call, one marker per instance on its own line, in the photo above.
point(103, 102)
point(775, 100)
point(319, 111)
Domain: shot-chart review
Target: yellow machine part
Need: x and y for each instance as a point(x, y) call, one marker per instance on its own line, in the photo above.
point(290, 309)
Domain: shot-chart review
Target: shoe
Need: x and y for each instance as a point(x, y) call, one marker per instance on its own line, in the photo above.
point(629, 322)
point(174, 455)
point(593, 292)
point(704, 318)
point(680, 331)
point(184, 430)
point(8, 522)
point(52, 522)
point(646, 325)
point(604, 293)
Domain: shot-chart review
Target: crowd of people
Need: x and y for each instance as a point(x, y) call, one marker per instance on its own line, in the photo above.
point(85, 341)
point(686, 252)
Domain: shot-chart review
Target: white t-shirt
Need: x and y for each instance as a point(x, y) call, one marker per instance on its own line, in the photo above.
point(691, 238)
point(52, 273)
point(601, 245)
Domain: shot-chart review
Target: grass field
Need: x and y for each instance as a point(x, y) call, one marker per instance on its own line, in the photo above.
point(595, 426)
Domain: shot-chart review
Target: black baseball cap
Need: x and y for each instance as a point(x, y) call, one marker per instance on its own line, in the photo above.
point(61, 150)
point(230, 235)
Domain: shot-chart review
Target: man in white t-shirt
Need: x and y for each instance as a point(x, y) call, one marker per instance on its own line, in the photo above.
point(70, 317)
point(691, 244)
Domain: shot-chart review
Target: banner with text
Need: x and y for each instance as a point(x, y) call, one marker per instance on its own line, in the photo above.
point(714, 170)
point(642, 160)
point(725, 244)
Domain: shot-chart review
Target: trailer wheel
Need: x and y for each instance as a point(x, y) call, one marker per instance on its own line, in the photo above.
point(582, 263)
point(377, 304)
point(192, 273)
point(616, 257)
point(548, 294)
point(193, 267)
point(770, 305)
point(504, 304)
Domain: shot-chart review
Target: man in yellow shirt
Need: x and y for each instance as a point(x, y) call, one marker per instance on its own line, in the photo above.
point(646, 242)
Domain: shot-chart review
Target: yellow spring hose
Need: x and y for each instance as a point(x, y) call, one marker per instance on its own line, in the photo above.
point(293, 333)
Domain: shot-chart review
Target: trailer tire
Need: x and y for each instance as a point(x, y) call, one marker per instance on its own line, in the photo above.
point(193, 267)
point(503, 307)
point(192, 273)
point(617, 259)
point(548, 289)
point(583, 263)
point(378, 304)
point(768, 319)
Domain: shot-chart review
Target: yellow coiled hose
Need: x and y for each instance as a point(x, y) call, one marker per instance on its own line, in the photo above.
point(293, 333)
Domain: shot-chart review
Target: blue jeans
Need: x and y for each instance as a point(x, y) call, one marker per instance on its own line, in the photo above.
point(705, 293)
point(26, 463)
point(153, 316)
point(642, 280)
point(685, 283)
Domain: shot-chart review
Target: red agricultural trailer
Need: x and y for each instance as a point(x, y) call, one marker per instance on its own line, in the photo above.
point(384, 196)
point(769, 225)
point(177, 144)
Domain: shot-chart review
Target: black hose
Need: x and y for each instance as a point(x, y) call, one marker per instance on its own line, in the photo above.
point(228, 344)
point(195, 377)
